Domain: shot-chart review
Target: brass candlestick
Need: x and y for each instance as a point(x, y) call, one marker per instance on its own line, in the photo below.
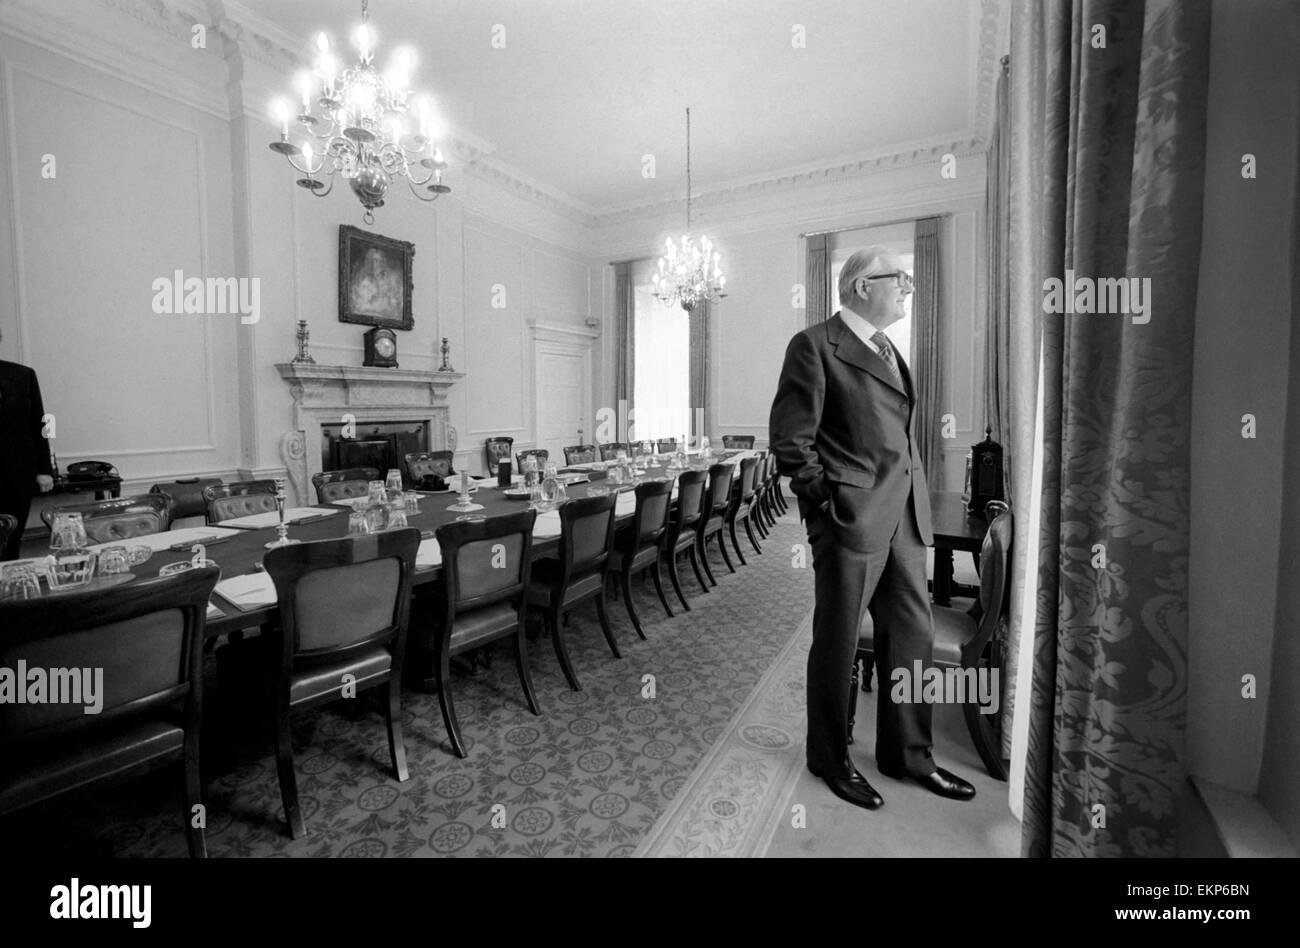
point(303, 357)
point(282, 528)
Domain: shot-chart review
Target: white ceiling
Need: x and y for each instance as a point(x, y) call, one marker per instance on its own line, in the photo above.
point(585, 88)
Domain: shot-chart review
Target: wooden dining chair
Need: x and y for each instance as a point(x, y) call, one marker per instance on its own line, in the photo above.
point(497, 449)
point(683, 527)
point(639, 545)
point(609, 450)
point(738, 442)
point(344, 608)
point(556, 586)
point(147, 638)
point(240, 499)
point(120, 518)
point(741, 509)
point(187, 495)
point(713, 520)
point(969, 641)
point(541, 454)
point(422, 464)
point(580, 454)
point(485, 571)
point(333, 486)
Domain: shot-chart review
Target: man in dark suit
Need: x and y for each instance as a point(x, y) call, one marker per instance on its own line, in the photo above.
point(842, 428)
point(24, 453)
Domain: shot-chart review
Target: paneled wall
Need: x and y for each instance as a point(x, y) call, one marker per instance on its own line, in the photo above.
point(161, 164)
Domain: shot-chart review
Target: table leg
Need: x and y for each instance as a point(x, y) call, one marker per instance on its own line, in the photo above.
point(942, 576)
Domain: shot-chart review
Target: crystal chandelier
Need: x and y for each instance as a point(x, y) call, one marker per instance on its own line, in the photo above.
point(691, 271)
point(361, 127)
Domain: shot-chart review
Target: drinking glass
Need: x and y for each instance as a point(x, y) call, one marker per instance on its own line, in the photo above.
point(377, 517)
point(378, 492)
point(412, 504)
point(530, 471)
point(396, 515)
point(113, 560)
point(357, 523)
point(68, 532)
point(19, 581)
point(72, 568)
point(394, 480)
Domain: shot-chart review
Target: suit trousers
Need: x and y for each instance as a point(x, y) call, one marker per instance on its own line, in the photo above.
point(891, 583)
point(18, 505)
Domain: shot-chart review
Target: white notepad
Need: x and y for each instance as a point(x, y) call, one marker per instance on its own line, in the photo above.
point(248, 592)
point(547, 525)
point(429, 555)
point(272, 518)
point(162, 541)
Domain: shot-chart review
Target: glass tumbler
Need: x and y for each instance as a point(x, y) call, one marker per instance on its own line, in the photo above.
point(19, 581)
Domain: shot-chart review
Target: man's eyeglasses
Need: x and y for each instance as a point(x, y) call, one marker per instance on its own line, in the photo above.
point(901, 277)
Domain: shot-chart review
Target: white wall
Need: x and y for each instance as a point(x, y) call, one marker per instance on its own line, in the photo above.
point(759, 233)
point(162, 164)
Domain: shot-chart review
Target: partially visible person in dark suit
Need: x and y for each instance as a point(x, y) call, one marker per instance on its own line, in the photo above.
point(843, 428)
point(25, 468)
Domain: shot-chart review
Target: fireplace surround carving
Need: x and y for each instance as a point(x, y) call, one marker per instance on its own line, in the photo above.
point(332, 394)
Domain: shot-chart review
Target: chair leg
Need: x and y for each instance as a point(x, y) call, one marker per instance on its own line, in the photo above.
point(695, 565)
point(625, 578)
point(521, 666)
point(731, 526)
point(392, 698)
point(676, 580)
point(659, 587)
point(194, 835)
point(780, 496)
point(752, 539)
point(985, 740)
point(602, 612)
point(561, 650)
point(726, 557)
point(284, 765)
point(445, 701)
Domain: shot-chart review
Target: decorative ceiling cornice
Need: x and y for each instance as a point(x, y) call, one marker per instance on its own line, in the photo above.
point(259, 40)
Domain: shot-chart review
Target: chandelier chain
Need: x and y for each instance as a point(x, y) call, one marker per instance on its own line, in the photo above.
point(688, 170)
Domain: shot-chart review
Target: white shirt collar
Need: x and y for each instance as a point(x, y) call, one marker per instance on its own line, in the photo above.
point(863, 329)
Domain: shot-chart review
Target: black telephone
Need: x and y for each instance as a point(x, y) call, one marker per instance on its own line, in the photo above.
point(91, 471)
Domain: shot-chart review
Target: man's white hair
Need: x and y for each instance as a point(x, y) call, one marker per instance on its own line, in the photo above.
point(861, 263)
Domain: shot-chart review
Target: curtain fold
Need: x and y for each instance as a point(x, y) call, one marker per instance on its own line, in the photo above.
point(624, 344)
point(997, 336)
point(928, 372)
point(1116, 177)
point(817, 282)
point(699, 328)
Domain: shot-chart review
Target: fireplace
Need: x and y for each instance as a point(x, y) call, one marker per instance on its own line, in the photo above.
point(381, 445)
point(394, 411)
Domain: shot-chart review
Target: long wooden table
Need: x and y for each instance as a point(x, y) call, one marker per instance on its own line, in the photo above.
point(242, 554)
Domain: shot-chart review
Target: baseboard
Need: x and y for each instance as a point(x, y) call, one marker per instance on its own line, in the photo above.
point(1217, 821)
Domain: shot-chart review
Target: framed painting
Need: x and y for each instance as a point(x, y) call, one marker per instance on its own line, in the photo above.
point(374, 279)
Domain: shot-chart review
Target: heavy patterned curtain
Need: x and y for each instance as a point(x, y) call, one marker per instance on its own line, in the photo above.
point(817, 283)
point(1111, 116)
point(928, 370)
point(997, 341)
point(624, 343)
point(699, 369)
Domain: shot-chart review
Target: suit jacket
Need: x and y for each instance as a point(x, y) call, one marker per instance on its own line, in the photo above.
point(844, 431)
point(24, 452)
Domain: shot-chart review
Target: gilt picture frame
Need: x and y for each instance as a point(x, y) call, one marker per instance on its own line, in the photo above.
point(375, 279)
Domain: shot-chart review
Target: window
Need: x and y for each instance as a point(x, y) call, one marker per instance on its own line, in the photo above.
point(662, 395)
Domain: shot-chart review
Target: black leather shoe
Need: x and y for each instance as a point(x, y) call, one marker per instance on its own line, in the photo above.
point(853, 788)
point(941, 782)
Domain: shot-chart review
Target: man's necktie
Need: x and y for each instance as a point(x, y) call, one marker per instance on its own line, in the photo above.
point(886, 353)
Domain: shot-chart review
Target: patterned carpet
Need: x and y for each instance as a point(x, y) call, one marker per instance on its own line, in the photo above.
point(589, 777)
